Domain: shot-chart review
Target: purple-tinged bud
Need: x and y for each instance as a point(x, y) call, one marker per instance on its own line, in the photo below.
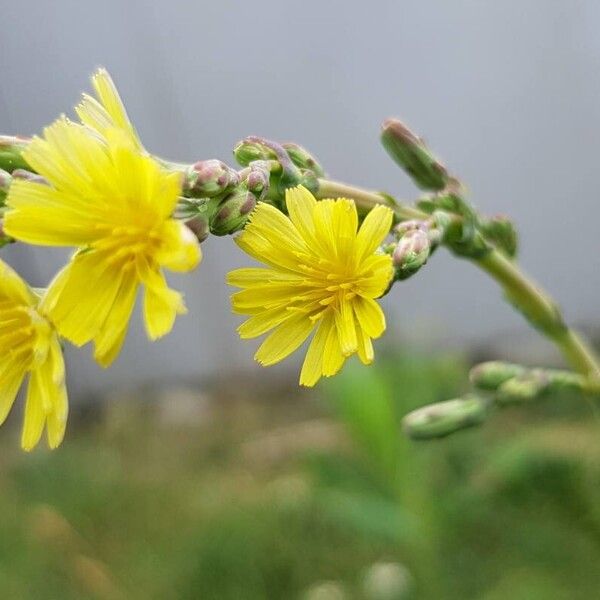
point(257, 180)
point(405, 226)
point(411, 253)
point(208, 178)
point(411, 153)
point(233, 212)
point(198, 225)
point(11, 149)
point(303, 159)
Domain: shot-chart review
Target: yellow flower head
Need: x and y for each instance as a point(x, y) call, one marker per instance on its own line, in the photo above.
point(323, 273)
point(114, 203)
point(29, 344)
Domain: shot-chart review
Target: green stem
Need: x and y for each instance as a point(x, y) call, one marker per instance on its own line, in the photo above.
point(541, 311)
point(526, 296)
point(366, 199)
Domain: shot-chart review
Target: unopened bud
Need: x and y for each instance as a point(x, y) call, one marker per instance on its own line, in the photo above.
point(248, 151)
point(444, 418)
point(198, 225)
point(502, 233)
point(491, 375)
point(11, 150)
point(411, 153)
point(208, 178)
point(303, 159)
point(257, 180)
point(411, 253)
point(405, 226)
point(523, 388)
point(232, 214)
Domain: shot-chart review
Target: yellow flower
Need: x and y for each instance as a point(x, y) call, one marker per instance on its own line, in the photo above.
point(29, 344)
point(114, 203)
point(323, 273)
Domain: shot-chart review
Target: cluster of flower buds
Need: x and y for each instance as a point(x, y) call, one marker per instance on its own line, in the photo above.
point(504, 384)
point(513, 383)
point(289, 165)
point(415, 242)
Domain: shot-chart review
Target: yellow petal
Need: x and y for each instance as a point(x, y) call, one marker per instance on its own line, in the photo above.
point(365, 347)
point(111, 102)
point(263, 322)
point(373, 231)
point(370, 316)
point(346, 329)
point(35, 415)
point(312, 368)
point(110, 339)
point(161, 306)
point(180, 249)
point(333, 359)
point(287, 338)
point(300, 204)
point(84, 296)
point(12, 373)
point(13, 287)
point(41, 215)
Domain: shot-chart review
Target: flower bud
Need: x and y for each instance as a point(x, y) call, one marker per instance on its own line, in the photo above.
point(258, 177)
point(523, 388)
point(231, 215)
point(249, 150)
point(411, 153)
point(491, 375)
point(208, 178)
point(411, 253)
point(444, 418)
point(502, 233)
point(303, 159)
point(405, 226)
point(11, 149)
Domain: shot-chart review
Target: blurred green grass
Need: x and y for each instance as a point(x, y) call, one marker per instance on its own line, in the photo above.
point(276, 492)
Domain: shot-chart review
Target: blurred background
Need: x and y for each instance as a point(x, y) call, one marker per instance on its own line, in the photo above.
point(188, 472)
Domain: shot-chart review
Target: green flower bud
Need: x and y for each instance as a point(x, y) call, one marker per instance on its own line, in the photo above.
point(523, 388)
point(11, 149)
point(444, 418)
point(303, 159)
point(491, 375)
point(250, 150)
point(411, 253)
point(232, 213)
point(502, 233)
point(411, 153)
point(208, 178)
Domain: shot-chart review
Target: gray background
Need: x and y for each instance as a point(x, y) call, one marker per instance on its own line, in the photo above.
point(507, 92)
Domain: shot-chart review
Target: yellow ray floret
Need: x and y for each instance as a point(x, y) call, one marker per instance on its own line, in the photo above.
point(107, 111)
point(323, 274)
point(114, 203)
point(29, 346)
